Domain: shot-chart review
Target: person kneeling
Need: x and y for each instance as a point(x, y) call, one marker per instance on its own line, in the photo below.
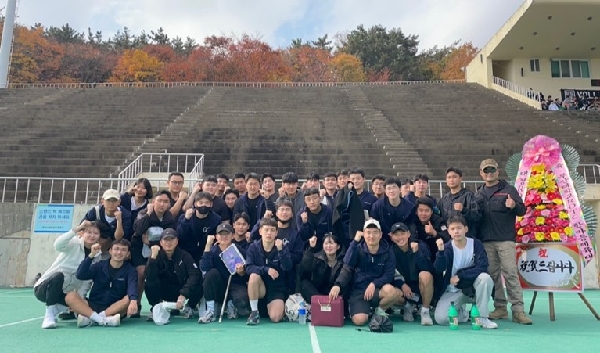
point(268, 263)
point(172, 275)
point(465, 264)
point(114, 292)
point(370, 266)
point(415, 280)
point(319, 270)
point(217, 276)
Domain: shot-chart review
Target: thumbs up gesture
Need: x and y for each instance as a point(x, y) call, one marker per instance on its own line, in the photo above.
point(414, 246)
point(510, 203)
point(430, 230)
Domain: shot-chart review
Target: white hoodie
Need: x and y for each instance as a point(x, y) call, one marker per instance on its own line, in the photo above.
point(71, 253)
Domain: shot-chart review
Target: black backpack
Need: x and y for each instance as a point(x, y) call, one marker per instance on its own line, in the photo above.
point(381, 323)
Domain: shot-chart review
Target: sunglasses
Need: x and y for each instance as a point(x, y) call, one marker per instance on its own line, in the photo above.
point(490, 170)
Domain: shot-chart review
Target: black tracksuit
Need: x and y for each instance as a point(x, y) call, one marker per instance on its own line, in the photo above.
point(167, 279)
point(318, 276)
point(140, 226)
point(498, 221)
point(470, 209)
point(348, 215)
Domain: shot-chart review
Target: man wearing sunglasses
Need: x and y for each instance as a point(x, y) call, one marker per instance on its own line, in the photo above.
point(500, 204)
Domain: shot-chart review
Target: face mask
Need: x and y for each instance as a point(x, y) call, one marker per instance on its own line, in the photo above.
point(203, 209)
point(282, 221)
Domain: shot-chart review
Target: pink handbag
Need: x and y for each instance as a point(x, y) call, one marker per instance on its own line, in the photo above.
point(326, 312)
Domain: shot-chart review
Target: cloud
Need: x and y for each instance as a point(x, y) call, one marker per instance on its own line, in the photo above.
point(278, 22)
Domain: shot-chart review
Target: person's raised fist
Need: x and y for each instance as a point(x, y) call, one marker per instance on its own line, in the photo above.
point(440, 244)
point(313, 241)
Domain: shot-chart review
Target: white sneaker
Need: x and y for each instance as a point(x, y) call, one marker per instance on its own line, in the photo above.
point(114, 320)
point(187, 312)
point(463, 314)
point(49, 322)
point(232, 312)
point(207, 317)
point(408, 313)
point(487, 323)
point(83, 321)
point(426, 318)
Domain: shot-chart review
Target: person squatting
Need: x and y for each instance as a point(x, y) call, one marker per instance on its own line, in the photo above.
point(393, 250)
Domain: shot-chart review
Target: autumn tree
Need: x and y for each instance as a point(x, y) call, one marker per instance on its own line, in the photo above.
point(34, 58)
point(347, 68)
point(136, 65)
point(310, 64)
point(447, 63)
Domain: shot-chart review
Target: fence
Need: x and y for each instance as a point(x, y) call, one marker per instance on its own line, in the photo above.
point(518, 89)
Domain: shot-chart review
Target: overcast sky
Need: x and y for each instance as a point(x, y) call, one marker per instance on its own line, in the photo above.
point(437, 22)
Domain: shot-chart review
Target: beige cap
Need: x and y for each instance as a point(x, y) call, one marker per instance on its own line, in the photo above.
point(111, 194)
point(488, 163)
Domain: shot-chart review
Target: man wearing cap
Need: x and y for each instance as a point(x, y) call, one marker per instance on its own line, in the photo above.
point(369, 266)
point(172, 275)
point(217, 275)
point(113, 221)
point(414, 273)
point(500, 204)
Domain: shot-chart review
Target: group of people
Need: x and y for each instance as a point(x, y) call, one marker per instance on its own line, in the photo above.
point(392, 247)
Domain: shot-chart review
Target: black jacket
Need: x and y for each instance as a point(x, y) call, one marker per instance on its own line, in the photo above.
point(262, 205)
point(186, 270)
point(470, 210)
point(348, 215)
point(418, 233)
point(419, 261)
point(498, 221)
point(192, 236)
point(362, 268)
point(106, 290)
point(314, 267)
point(145, 221)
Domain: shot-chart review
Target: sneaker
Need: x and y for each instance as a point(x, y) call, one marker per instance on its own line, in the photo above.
point(138, 314)
point(408, 313)
point(232, 312)
point(521, 318)
point(498, 314)
point(187, 312)
point(207, 317)
point(426, 318)
point(463, 314)
point(487, 323)
point(67, 315)
point(114, 320)
point(149, 317)
point(49, 322)
point(253, 319)
point(83, 321)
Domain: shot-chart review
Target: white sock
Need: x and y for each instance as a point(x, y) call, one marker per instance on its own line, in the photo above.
point(254, 305)
point(51, 311)
point(210, 305)
point(103, 314)
point(61, 308)
point(380, 311)
point(424, 309)
point(97, 318)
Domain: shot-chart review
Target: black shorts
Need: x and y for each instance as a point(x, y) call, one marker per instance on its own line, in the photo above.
point(274, 293)
point(98, 308)
point(137, 259)
point(358, 305)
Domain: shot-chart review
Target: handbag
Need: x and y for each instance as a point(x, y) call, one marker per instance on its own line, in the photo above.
point(327, 312)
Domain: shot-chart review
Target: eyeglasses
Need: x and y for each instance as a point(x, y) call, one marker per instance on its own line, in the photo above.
point(490, 170)
point(176, 182)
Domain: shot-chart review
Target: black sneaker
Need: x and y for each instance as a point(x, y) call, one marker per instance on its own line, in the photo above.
point(253, 319)
point(138, 314)
point(67, 315)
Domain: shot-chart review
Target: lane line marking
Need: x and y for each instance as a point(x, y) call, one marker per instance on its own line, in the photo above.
point(21, 322)
point(314, 341)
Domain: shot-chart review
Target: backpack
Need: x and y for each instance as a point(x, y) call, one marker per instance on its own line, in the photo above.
point(381, 323)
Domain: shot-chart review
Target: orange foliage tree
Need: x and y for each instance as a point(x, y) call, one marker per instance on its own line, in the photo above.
point(457, 60)
point(34, 58)
point(310, 64)
point(136, 65)
point(348, 68)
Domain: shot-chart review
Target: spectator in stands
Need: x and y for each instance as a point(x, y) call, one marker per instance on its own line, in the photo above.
point(239, 183)
point(196, 225)
point(290, 190)
point(217, 276)
point(178, 196)
point(114, 221)
point(148, 228)
point(392, 208)
point(222, 184)
point(313, 181)
point(172, 275)
point(209, 185)
point(377, 186)
point(342, 178)
point(268, 190)
point(464, 263)
point(114, 292)
point(230, 197)
point(357, 177)
point(414, 273)
point(329, 190)
point(500, 204)
point(268, 262)
point(553, 106)
point(369, 267)
point(252, 203)
point(320, 269)
point(406, 188)
point(51, 288)
point(136, 199)
point(315, 219)
point(459, 200)
point(421, 187)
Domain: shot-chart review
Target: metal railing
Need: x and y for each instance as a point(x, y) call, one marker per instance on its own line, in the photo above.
point(217, 84)
point(518, 89)
point(192, 163)
point(590, 173)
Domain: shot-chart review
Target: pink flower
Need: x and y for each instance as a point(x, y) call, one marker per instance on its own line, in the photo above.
point(526, 239)
point(546, 213)
point(541, 149)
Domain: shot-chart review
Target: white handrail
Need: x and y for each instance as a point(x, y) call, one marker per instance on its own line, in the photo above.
point(518, 89)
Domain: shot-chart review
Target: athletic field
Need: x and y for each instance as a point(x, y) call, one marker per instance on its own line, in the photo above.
point(575, 329)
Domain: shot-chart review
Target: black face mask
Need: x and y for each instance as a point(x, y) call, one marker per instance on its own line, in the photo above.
point(203, 210)
point(282, 221)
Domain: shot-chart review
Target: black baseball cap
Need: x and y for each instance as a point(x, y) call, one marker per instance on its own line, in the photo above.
point(169, 233)
point(399, 227)
point(225, 227)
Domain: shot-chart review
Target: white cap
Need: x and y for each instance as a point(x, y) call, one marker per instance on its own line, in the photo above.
point(111, 194)
point(372, 222)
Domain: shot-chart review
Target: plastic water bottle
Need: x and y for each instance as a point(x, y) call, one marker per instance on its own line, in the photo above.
point(302, 313)
point(475, 319)
point(453, 317)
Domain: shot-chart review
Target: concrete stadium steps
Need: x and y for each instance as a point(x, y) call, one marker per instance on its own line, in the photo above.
point(102, 125)
point(461, 124)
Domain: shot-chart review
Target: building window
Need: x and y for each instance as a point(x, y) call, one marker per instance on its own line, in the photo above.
point(570, 68)
point(534, 65)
